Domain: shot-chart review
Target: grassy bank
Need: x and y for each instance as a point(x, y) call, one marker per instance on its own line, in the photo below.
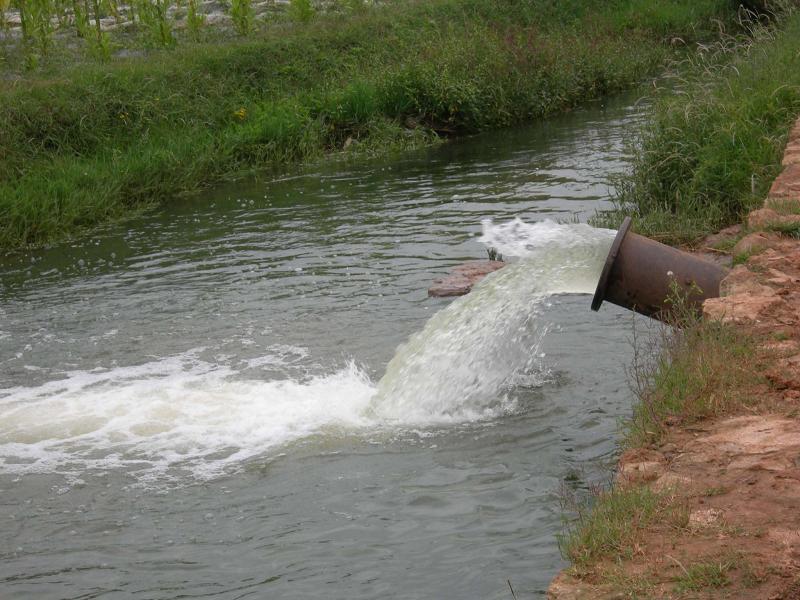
point(98, 140)
point(684, 375)
point(692, 370)
point(715, 140)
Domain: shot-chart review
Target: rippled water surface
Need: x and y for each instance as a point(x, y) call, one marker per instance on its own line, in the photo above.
point(188, 399)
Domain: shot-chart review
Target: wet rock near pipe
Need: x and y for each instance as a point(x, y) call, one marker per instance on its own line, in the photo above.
point(463, 277)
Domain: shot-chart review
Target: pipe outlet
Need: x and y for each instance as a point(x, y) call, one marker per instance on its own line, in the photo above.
point(641, 274)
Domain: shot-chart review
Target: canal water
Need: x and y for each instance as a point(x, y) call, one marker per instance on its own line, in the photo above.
point(197, 403)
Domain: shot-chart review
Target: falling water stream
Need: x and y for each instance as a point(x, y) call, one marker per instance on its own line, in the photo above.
point(249, 394)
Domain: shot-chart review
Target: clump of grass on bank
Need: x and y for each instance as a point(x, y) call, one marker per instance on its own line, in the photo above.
point(97, 141)
point(787, 229)
point(692, 370)
point(704, 575)
point(714, 142)
point(609, 527)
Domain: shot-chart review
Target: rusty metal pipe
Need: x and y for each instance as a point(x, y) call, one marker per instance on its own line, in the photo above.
point(639, 272)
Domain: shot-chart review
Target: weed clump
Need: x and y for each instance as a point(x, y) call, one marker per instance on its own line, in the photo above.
point(700, 576)
point(610, 525)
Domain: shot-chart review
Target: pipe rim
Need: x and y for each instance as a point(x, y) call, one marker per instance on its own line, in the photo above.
point(602, 284)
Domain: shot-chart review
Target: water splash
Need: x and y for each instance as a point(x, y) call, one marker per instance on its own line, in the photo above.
point(183, 414)
point(459, 365)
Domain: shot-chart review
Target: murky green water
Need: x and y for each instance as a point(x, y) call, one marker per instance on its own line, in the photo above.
point(182, 396)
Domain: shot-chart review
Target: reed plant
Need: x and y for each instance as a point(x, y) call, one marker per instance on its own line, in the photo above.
point(243, 16)
point(80, 18)
point(113, 9)
point(60, 12)
point(154, 20)
point(39, 23)
point(24, 18)
point(5, 5)
point(195, 20)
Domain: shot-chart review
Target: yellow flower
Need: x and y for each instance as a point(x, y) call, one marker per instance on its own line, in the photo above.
point(240, 114)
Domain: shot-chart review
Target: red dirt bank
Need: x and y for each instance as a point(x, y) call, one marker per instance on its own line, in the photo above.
point(737, 477)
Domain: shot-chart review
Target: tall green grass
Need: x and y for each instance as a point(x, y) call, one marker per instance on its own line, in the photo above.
point(96, 141)
point(714, 142)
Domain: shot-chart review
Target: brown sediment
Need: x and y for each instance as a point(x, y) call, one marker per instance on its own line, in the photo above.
point(737, 477)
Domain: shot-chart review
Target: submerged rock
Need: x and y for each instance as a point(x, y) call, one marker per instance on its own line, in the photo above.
point(463, 278)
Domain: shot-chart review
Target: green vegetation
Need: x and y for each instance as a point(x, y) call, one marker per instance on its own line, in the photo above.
point(86, 143)
point(695, 369)
point(301, 10)
point(610, 528)
point(787, 229)
point(715, 140)
point(700, 576)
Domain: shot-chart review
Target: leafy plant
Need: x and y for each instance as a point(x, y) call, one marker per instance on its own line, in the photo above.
point(714, 140)
point(4, 6)
point(242, 15)
point(101, 46)
point(194, 20)
point(301, 10)
point(80, 16)
point(37, 27)
point(154, 18)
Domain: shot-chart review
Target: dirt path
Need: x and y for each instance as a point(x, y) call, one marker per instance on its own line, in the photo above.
point(735, 479)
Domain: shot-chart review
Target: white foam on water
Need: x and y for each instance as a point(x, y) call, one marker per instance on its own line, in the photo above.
point(177, 412)
point(183, 414)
